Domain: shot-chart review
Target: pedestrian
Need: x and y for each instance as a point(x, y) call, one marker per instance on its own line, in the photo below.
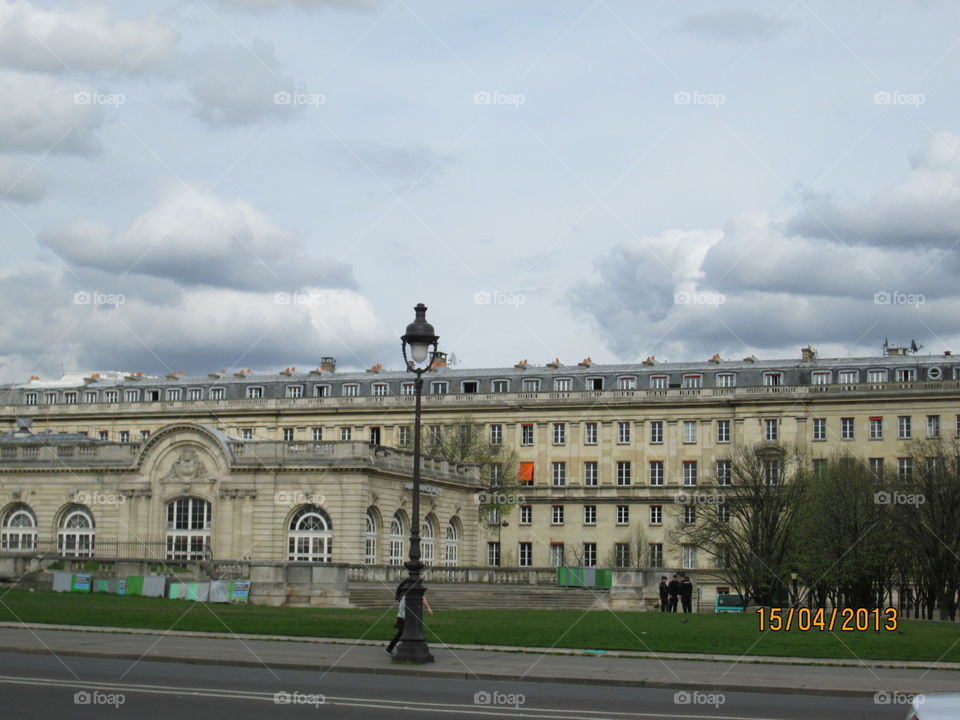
point(401, 594)
point(664, 594)
point(673, 591)
point(686, 593)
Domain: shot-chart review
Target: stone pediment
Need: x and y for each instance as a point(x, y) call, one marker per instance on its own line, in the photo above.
point(188, 467)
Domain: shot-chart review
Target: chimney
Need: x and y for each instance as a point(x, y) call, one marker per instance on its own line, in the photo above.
point(328, 364)
point(808, 354)
point(174, 375)
point(585, 363)
point(375, 369)
point(715, 359)
point(439, 360)
point(751, 359)
point(522, 365)
point(651, 359)
point(555, 364)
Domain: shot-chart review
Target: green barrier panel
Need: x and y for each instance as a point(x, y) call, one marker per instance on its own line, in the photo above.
point(102, 585)
point(193, 591)
point(80, 583)
point(239, 591)
point(134, 585)
point(175, 591)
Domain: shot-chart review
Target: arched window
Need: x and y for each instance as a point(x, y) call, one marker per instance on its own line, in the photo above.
point(397, 538)
point(370, 541)
point(427, 540)
point(75, 536)
point(451, 551)
point(311, 535)
point(19, 530)
point(188, 529)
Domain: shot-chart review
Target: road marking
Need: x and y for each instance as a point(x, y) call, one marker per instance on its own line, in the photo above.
point(373, 703)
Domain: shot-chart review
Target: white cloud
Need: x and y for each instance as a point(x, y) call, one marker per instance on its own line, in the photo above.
point(21, 182)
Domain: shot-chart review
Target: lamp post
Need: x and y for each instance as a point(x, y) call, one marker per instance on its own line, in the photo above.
point(421, 341)
point(794, 574)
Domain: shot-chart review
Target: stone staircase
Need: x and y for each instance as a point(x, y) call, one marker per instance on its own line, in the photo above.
point(480, 596)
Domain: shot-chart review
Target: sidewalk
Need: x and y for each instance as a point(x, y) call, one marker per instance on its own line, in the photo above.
point(828, 677)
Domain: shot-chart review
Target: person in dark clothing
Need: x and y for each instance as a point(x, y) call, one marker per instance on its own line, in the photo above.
point(664, 594)
point(686, 593)
point(673, 591)
point(401, 595)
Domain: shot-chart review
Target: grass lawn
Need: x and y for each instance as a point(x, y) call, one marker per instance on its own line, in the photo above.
point(704, 633)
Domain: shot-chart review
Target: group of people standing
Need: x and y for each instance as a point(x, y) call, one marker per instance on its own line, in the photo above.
point(678, 590)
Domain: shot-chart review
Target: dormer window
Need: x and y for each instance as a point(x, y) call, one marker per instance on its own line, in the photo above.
point(848, 377)
point(595, 383)
point(876, 376)
point(218, 393)
point(692, 381)
point(659, 382)
point(906, 374)
point(350, 389)
point(294, 391)
point(254, 392)
point(49, 398)
point(173, 394)
point(470, 387)
point(563, 384)
point(90, 396)
point(321, 391)
point(381, 389)
point(627, 382)
point(110, 396)
point(30, 398)
point(531, 385)
point(438, 387)
point(726, 380)
point(821, 377)
point(773, 379)
point(195, 393)
point(500, 386)
point(131, 395)
point(408, 388)
point(70, 398)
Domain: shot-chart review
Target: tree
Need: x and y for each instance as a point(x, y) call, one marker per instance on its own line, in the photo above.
point(748, 525)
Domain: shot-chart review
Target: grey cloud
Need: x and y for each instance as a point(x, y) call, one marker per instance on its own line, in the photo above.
point(361, 5)
point(21, 182)
point(739, 26)
point(396, 165)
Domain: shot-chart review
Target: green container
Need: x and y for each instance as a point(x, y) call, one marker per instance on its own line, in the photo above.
point(134, 585)
point(80, 583)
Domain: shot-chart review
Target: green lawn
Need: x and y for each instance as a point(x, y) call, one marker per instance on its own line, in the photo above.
point(705, 633)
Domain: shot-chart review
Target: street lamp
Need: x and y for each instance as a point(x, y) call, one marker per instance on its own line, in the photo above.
point(421, 342)
point(794, 574)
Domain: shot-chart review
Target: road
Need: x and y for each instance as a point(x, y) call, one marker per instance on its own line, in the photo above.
point(45, 686)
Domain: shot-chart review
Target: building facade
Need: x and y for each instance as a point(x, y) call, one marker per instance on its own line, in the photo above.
point(608, 452)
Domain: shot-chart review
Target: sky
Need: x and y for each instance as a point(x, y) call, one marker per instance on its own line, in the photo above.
point(196, 185)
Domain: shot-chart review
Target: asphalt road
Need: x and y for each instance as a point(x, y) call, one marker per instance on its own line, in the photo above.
point(44, 686)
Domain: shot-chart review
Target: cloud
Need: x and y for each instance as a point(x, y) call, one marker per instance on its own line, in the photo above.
point(398, 165)
point(737, 26)
point(21, 182)
point(39, 113)
point(362, 5)
point(87, 39)
point(198, 240)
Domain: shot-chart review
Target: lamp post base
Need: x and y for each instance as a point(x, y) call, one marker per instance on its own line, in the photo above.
point(413, 652)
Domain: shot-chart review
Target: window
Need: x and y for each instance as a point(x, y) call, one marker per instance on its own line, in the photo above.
point(468, 387)
point(500, 386)
point(525, 476)
point(621, 555)
point(563, 384)
point(819, 465)
point(559, 474)
point(144, 434)
point(525, 554)
point(439, 387)
point(188, 529)
point(381, 389)
point(75, 536)
point(173, 394)
point(848, 377)
point(590, 473)
point(692, 381)
point(496, 474)
point(595, 383)
point(246, 433)
point(526, 514)
point(408, 388)
point(370, 539)
point(876, 376)
point(770, 430)
point(659, 382)
point(254, 392)
point(346, 433)
point(623, 472)
point(434, 435)
point(623, 433)
point(819, 428)
point(723, 431)
point(192, 394)
point(876, 468)
point(218, 393)
point(689, 557)
point(111, 396)
point(496, 434)
point(724, 472)
point(124, 436)
point(821, 378)
point(590, 433)
point(876, 428)
point(315, 433)
point(723, 513)
point(656, 514)
point(656, 472)
point(404, 436)
point(131, 395)
point(557, 555)
point(589, 554)
point(846, 428)
point(656, 432)
point(689, 515)
point(350, 389)
point(904, 429)
point(656, 555)
point(627, 382)
point(294, 391)
point(690, 472)
point(526, 434)
point(771, 472)
point(905, 468)
point(70, 398)
point(773, 379)
point(397, 537)
point(933, 426)
point(321, 391)
point(493, 554)
point(589, 514)
point(531, 385)
point(556, 515)
point(906, 374)
point(19, 529)
point(310, 538)
point(689, 431)
point(623, 514)
point(559, 433)
point(956, 430)
point(726, 380)
point(50, 398)
point(288, 434)
point(427, 541)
